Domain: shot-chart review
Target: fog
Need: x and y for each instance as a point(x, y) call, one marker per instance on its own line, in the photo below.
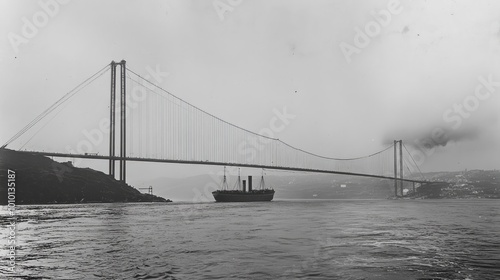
point(415, 78)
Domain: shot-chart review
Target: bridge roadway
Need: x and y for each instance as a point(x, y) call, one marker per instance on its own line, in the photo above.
point(95, 156)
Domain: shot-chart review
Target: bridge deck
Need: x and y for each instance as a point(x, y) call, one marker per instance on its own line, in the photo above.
point(95, 156)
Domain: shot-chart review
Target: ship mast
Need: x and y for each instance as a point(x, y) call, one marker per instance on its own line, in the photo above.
point(262, 184)
point(239, 180)
point(237, 185)
point(224, 181)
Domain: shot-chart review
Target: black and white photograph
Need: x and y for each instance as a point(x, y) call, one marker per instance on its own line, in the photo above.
point(250, 139)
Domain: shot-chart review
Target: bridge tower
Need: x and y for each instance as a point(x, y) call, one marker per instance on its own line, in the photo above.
point(396, 180)
point(112, 127)
point(395, 169)
point(401, 166)
point(112, 120)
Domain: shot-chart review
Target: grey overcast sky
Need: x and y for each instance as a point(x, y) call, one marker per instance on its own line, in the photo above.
point(356, 74)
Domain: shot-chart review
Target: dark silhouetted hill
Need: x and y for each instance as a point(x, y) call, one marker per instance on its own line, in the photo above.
point(40, 180)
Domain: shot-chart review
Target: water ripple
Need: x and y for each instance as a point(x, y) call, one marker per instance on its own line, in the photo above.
point(336, 239)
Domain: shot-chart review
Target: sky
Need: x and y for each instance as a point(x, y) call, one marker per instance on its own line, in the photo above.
point(355, 74)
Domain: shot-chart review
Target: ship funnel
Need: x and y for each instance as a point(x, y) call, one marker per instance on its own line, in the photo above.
point(249, 183)
point(244, 186)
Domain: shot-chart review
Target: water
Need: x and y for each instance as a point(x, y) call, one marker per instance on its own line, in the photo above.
point(305, 239)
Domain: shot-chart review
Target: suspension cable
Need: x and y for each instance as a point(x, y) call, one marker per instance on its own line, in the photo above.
point(414, 161)
point(58, 103)
point(251, 132)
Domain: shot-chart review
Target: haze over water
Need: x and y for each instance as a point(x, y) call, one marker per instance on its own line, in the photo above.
point(296, 239)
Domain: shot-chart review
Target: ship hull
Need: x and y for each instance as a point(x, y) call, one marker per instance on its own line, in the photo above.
point(233, 196)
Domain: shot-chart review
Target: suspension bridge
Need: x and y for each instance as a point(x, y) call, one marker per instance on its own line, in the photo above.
point(150, 124)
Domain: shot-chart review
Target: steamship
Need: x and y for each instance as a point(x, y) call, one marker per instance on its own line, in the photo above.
point(243, 193)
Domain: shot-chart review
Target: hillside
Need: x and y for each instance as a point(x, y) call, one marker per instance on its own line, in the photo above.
point(40, 180)
point(468, 184)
